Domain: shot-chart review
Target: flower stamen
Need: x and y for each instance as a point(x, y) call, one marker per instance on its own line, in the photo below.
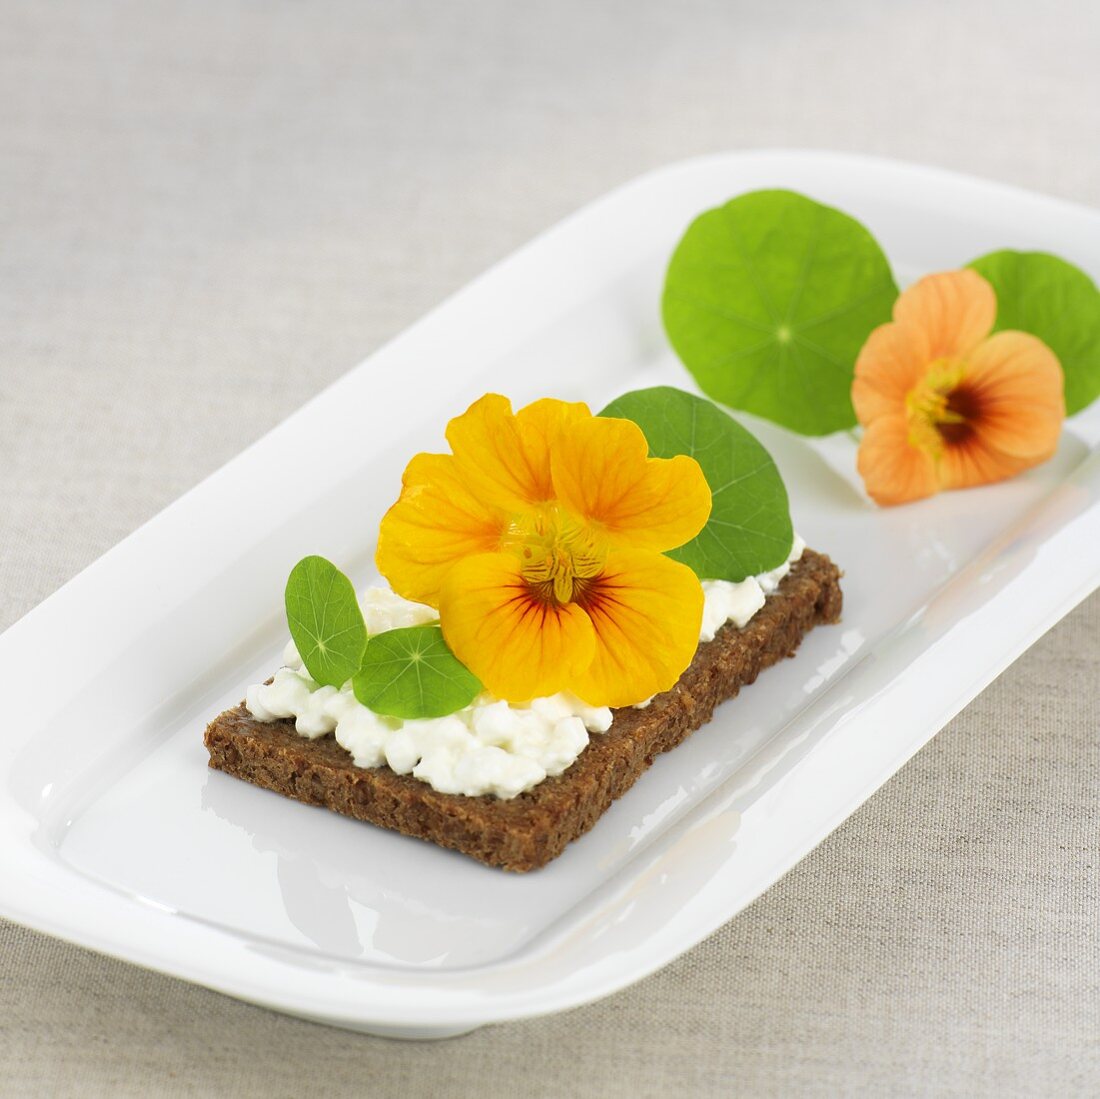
point(939, 407)
point(559, 554)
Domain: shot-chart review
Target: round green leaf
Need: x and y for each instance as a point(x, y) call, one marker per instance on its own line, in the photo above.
point(410, 673)
point(325, 621)
point(749, 529)
point(768, 301)
point(1059, 303)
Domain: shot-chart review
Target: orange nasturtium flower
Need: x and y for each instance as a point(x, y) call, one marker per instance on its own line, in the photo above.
point(944, 403)
point(540, 539)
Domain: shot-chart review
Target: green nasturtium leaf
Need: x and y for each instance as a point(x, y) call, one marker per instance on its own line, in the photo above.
point(1059, 303)
point(410, 673)
point(768, 300)
point(325, 621)
point(749, 529)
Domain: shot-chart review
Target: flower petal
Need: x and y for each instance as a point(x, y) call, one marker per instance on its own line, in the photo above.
point(435, 523)
point(1017, 385)
point(505, 458)
point(518, 647)
point(974, 462)
point(550, 417)
point(893, 470)
point(603, 474)
point(891, 363)
point(954, 309)
point(646, 610)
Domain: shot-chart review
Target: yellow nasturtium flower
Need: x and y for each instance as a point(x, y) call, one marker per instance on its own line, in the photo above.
point(541, 540)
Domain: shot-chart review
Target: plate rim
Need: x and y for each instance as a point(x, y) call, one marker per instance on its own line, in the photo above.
point(21, 864)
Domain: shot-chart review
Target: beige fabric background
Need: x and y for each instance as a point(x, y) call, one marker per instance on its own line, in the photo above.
point(208, 211)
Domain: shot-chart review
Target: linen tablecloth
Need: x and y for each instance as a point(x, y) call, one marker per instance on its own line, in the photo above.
point(209, 211)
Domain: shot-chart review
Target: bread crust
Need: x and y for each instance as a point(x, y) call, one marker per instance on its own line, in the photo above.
point(527, 831)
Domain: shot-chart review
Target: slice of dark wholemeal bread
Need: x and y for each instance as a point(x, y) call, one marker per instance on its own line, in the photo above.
point(529, 830)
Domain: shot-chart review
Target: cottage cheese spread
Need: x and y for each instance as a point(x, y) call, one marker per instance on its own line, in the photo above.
point(726, 601)
point(491, 746)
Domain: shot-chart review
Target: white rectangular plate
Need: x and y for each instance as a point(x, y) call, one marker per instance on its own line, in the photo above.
point(114, 834)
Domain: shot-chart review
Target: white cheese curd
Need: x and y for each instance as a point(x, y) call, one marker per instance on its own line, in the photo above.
point(384, 609)
point(491, 746)
point(769, 581)
point(726, 601)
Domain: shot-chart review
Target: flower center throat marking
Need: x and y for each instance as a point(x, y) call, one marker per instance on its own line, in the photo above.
point(940, 407)
point(559, 555)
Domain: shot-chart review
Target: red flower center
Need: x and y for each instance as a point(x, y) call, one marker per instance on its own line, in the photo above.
point(963, 409)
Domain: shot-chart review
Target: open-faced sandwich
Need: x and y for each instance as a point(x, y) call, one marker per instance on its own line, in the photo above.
point(569, 596)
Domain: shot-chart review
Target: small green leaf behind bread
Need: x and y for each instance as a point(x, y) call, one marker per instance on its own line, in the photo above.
point(749, 530)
